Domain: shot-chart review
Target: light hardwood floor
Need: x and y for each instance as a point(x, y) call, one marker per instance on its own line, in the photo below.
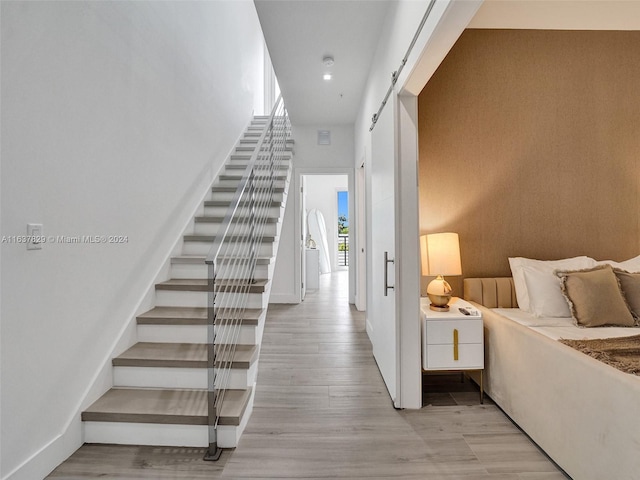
point(322, 411)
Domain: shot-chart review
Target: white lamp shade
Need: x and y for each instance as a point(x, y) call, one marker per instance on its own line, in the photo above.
point(440, 254)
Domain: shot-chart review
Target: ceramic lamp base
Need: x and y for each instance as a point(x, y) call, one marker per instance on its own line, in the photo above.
point(437, 308)
point(439, 292)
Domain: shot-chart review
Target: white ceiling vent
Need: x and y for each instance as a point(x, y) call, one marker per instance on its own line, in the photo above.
point(324, 137)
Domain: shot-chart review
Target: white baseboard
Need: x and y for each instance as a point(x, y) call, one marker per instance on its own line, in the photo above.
point(146, 434)
point(45, 460)
point(284, 298)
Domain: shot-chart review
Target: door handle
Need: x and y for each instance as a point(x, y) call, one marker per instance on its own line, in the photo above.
point(387, 261)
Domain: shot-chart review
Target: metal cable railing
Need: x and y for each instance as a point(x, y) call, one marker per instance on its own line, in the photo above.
point(343, 250)
point(234, 255)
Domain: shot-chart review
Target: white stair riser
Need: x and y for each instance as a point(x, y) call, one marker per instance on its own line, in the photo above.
point(241, 147)
point(171, 298)
point(159, 377)
point(228, 435)
point(238, 165)
point(210, 228)
point(219, 211)
point(229, 196)
point(253, 137)
point(262, 184)
point(190, 378)
point(266, 249)
point(265, 150)
point(270, 230)
point(260, 171)
point(201, 271)
point(282, 163)
point(248, 334)
point(146, 434)
point(261, 271)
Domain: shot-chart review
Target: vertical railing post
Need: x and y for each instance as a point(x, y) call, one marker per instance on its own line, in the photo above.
point(214, 451)
point(271, 155)
point(344, 250)
point(252, 226)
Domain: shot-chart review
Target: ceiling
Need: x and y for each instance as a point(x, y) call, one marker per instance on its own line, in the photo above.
point(299, 33)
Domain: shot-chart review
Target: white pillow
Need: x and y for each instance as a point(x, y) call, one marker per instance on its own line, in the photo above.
point(631, 265)
point(539, 282)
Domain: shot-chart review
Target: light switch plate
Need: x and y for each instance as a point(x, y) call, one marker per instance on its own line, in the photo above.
point(34, 236)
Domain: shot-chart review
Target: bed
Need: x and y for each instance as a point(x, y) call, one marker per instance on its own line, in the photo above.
point(582, 412)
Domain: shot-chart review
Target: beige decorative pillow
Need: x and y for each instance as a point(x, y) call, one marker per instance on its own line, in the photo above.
point(595, 297)
point(630, 283)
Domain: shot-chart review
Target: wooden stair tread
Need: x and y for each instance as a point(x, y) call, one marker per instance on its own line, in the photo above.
point(236, 171)
point(230, 188)
point(189, 259)
point(269, 218)
point(239, 166)
point(182, 355)
point(185, 284)
point(286, 155)
point(226, 203)
point(174, 315)
point(164, 406)
point(201, 260)
point(145, 354)
point(258, 286)
point(211, 238)
point(259, 260)
point(243, 355)
point(239, 175)
point(192, 316)
point(253, 139)
point(202, 285)
point(250, 148)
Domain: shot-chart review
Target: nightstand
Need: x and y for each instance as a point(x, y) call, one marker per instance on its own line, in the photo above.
point(452, 341)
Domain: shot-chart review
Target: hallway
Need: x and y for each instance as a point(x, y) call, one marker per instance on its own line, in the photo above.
point(322, 411)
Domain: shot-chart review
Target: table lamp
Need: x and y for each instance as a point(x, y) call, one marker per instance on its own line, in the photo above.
point(440, 254)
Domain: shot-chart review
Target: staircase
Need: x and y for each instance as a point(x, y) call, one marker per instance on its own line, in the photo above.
point(161, 385)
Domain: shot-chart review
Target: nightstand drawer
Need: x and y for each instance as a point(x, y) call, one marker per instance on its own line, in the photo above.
point(470, 356)
point(441, 332)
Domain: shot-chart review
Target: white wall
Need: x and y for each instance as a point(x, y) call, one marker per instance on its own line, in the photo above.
point(308, 154)
point(115, 118)
point(322, 194)
point(309, 158)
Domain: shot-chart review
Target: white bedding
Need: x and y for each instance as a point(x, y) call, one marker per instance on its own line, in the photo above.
point(558, 328)
point(583, 413)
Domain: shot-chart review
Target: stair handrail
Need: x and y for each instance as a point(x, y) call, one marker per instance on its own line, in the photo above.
point(233, 258)
point(223, 230)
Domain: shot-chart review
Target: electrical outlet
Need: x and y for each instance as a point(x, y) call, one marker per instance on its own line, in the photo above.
point(34, 236)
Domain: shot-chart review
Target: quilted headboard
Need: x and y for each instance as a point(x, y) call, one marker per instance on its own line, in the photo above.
point(497, 292)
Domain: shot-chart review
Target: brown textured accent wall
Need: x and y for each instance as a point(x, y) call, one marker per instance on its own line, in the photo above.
point(530, 146)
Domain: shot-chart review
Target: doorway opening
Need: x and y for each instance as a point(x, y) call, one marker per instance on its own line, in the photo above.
point(325, 234)
point(343, 229)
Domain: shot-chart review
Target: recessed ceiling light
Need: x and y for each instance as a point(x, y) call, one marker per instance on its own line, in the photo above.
point(327, 76)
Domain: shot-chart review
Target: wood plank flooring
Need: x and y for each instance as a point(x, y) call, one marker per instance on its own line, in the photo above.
point(322, 411)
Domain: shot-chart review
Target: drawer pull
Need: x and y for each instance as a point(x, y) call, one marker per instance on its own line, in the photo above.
point(455, 344)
